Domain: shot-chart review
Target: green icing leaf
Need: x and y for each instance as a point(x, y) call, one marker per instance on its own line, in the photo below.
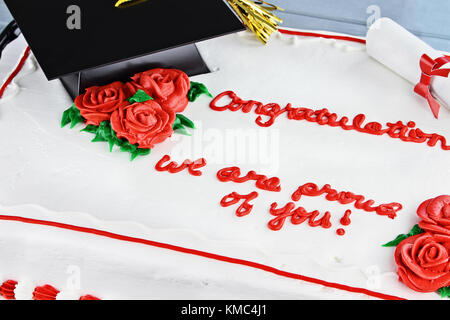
point(98, 138)
point(104, 133)
point(90, 128)
point(181, 124)
point(127, 147)
point(197, 89)
point(414, 231)
point(140, 96)
point(114, 141)
point(65, 118)
point(186, 121)
point(139, 152)
point(396, 241)
point(182, 131)
point(72, 116)
point(444, 292)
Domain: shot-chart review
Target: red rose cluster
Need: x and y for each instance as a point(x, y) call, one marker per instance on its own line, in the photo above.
point(143, 123)
point(424, 260)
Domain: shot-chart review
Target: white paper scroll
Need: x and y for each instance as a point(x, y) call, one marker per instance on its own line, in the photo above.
point(400, 50)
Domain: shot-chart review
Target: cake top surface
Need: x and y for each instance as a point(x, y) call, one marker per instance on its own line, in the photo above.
point(56, 174)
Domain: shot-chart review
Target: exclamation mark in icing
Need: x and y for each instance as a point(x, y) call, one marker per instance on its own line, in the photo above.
point(345, 221)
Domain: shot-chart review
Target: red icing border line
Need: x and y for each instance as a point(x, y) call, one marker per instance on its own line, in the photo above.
point(321, 35)
point(201, 254)
point(16, 71)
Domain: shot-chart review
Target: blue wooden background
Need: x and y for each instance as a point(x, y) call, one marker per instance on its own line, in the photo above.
point(429, 19)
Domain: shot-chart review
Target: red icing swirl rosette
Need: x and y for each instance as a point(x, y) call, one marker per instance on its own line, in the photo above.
point(169, 87)
point(46, 292)
point(423, 255)
point(143, 123)
point(435, 214)
point(98, 103)
point(7, 289)
point(137, 115)
point(423, 262)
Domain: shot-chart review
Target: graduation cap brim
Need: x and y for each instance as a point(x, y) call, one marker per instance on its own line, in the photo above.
point(109, 34)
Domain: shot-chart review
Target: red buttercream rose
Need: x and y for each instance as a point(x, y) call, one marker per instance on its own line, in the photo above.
point(143, 123)
point(423, 262)
point(169, 87)
point(435, 214)
point(98, 103)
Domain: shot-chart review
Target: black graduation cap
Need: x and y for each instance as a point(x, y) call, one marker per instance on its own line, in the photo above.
point(93, 42)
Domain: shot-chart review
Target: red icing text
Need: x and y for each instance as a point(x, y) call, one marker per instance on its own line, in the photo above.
point(245, 208)
point(345, 220)
point(343, 197)
point(297, 216)
point(399, 130)
point(173, 167)
point(262, 182)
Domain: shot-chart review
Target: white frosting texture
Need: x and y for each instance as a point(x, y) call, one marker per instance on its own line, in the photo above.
point(24, 290)
point(55, 174)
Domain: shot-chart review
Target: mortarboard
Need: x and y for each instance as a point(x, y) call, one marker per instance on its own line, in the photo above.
point(108, 43)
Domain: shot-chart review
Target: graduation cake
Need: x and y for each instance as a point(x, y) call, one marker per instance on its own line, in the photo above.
point(301, 169)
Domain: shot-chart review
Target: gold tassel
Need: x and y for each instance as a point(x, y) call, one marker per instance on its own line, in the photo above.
point(121, 2)
point(257, 18)
point(127, 3)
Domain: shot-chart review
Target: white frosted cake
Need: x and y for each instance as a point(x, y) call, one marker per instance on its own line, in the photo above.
point(80, 221)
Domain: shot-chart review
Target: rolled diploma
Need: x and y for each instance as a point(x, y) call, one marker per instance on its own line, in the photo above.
point(401, 51)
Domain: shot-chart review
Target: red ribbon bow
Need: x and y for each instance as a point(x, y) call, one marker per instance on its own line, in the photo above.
point(431, 68)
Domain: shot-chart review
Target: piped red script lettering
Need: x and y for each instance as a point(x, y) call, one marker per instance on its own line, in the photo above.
point(344, 197)
point(245, 208)
point(173, 167)
point(297, 216)
point(262, 182)
point(398, 130)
